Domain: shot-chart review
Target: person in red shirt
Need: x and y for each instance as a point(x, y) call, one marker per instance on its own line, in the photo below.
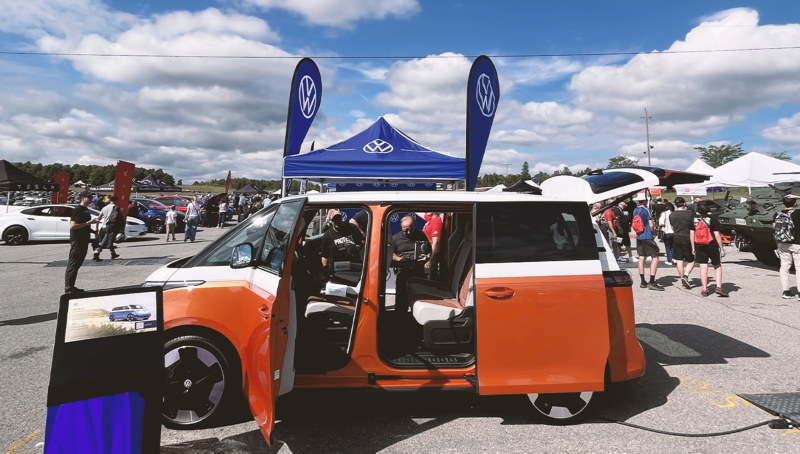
point(433, 230)
point(613, 227)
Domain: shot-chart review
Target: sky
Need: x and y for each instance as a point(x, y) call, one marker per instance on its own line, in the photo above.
point(197, 118)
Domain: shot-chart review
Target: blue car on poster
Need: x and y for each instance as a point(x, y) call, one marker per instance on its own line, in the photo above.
point(130, 313)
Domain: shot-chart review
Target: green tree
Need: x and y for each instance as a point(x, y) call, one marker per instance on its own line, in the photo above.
point(540, 177)
point(583, 172)
point(526, 171)
point(717, 155)
point(180, 182)
point(621, 161)
point(783, 155)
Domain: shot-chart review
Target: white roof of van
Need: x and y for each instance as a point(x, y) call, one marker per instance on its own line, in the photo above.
point(426, 196)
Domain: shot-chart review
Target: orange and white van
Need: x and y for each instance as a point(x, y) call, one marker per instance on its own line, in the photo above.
point(529, 302)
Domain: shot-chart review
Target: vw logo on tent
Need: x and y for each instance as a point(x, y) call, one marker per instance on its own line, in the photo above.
point(378, 146)
point(485, 95)
point(395, 217)
point(308, 96)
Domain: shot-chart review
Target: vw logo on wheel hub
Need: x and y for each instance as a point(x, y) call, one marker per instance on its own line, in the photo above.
point(378, 146)
point(308, 96)
point(187, 383)
point(485, 96)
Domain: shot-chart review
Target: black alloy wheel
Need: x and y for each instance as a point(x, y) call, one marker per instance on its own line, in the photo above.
point(562, 408)
point(111, 318)
point(130, 317)
point(196, 380)
point(15, 235)
point(157, 226)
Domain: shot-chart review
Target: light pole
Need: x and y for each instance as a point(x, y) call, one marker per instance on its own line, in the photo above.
point(647, 129)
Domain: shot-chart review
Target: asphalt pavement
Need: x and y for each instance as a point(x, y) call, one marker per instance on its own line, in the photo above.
point(701, 353)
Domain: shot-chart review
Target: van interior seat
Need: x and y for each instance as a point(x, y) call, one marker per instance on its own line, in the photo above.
point(441, 305)
point(330, 303)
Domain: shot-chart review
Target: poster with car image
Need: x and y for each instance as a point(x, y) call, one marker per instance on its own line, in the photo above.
point(105, 316)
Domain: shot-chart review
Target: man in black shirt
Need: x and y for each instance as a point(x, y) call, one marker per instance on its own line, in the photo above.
point(403, 247)
point(682, 221)
point(340, 243)
point(789, 251)
point(79, 238)
point(708, 251)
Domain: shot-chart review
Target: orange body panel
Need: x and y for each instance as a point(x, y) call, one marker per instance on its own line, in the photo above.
point(626, 358)
point(550, 337)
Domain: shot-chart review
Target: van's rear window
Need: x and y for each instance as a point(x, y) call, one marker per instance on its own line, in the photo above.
point(534, 232)
point(611, 180)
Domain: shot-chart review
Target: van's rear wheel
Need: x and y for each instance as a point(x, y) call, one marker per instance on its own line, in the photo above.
point(562, 408)
point(197, 376)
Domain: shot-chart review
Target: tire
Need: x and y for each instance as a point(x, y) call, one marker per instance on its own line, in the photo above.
point(765, 255)
point(111, 318)
point(129, 317)
point(199, 381)
point(563, 408)
point(15, 235)
point(157, 227)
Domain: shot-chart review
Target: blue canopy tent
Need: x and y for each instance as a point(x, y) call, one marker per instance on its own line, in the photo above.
point(380, 153)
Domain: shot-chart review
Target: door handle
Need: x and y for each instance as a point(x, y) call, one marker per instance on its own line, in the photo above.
point(499, 293)
point(264, 312)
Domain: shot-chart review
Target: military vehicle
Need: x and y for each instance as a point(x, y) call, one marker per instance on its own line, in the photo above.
point(751, 220)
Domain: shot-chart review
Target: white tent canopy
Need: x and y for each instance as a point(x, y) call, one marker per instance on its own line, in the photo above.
point(753, 170)
point(498, 188)
point(700, 166)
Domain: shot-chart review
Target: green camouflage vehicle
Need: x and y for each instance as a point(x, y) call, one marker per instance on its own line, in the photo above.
point(751, 220)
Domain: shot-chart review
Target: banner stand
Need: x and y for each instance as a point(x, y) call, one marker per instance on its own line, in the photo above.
point(106, 380)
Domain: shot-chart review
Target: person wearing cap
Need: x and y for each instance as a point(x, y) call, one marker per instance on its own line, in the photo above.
point(171, 222)
point(107, 237)
point(645, 246)
point(340, 243)
point(79, 238)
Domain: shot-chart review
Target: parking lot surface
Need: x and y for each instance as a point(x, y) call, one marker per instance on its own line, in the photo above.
point(701, 353)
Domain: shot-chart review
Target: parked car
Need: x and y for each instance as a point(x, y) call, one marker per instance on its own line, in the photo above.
point(50, 222)
point(180, 202)
point(130, 313)
point(531, 303)
point(154, 215)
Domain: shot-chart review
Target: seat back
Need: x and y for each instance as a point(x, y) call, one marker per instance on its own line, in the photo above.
point(464, 296)
point(462, 262)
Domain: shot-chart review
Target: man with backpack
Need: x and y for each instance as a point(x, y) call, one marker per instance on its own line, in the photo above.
point(707, 246)
point(787, 235)
point(682, 221)
point(643, 225)
point(111, 223)
point(624, 223)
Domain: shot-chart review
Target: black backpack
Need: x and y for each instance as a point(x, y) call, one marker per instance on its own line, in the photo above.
point(115, 222)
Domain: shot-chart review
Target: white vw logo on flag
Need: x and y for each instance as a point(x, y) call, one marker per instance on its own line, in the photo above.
point(378, 146)
point(308, 96)
point(485, 96)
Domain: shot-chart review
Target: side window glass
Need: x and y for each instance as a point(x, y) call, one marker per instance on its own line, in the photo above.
point(252, 230)
point(278, 235)
point(29, 211)
point(534, 232)
point(64, 212)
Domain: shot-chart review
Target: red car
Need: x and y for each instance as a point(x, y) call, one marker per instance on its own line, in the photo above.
point(179, 201)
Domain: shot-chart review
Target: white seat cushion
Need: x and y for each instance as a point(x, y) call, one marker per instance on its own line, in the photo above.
point(316, 307)
point(425, 312)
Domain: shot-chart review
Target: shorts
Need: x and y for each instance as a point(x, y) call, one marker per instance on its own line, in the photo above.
point(646, 248)
point(682, 250)
point(706, 252)
point(625, 235)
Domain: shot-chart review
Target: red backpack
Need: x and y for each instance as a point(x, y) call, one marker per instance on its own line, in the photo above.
point(702, 234)
point(638, 225)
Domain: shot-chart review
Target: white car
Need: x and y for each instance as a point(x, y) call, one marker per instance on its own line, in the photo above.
point(50, 222)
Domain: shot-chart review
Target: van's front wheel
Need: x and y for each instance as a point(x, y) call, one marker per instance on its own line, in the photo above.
point(562, 408)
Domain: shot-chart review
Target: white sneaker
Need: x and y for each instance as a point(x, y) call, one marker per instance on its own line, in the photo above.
point(668, 263)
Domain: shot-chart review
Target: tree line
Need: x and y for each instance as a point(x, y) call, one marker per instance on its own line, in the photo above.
point(93, 174)
point(264, 185)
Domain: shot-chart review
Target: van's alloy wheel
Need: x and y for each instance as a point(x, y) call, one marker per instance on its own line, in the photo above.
point(15, 235)
point(158, 227)
point(197, 373)
point(130, 317)
point(111, 318)
point(562, 408)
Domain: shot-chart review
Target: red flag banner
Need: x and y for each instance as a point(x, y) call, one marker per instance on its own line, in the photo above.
point(62, 180)
point(123, 181)
point(228, 183)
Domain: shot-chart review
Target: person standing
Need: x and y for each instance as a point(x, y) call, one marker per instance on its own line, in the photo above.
point(171, 222)
point(787, 234)
point(403, 245)
point(682, 222)
point(624, 223)
point(192, 219)
point(669, 234)
point(341, 243)
point(223, 206)
point(242, 206)
point(645, 246)
point(612, 221)
point(705, 230)
point(110, 222)
point(79, 238)
point(433, 230)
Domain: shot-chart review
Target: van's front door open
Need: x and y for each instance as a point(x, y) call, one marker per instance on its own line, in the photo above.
point(540, 299)
point(270, 357)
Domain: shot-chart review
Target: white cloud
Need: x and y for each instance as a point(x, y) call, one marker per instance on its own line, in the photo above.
point(341, 13)
point(711, 90)
point(786, 132)
point(519, 137)
point(37, 18)
point(673, 154)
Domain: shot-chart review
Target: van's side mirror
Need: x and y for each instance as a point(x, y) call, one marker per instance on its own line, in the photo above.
point(242, 256)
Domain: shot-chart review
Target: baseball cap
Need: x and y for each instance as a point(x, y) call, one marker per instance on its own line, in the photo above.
point(86, 195)
point(333, 213)
point(679, 199)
